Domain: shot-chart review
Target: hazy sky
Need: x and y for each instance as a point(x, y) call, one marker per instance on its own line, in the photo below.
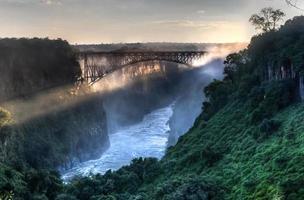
point(97, 21)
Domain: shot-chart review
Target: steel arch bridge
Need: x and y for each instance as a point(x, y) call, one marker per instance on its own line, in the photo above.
point(96, 65)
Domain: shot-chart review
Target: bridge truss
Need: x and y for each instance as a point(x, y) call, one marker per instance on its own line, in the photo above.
point(96, 65)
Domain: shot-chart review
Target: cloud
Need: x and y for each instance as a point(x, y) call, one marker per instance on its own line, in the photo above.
point(205, 25)
point(52, 2)
point(32, 2)
point(201, 12)
point(17, 1)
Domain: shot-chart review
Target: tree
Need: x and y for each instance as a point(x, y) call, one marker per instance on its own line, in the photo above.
point(267, 20)
point(234, 64)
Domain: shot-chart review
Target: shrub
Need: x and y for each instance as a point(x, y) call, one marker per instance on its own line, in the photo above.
point(187, 188)
point(211, 156)
point(292, 188)
point(11, 182)
point(270, 98)
point(103, 197)
point(268, 127)
point(65, 197)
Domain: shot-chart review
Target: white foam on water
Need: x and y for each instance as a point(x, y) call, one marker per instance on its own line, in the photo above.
point(145, 139)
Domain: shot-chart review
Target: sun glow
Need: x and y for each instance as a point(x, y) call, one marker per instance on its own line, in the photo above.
point(219, 52)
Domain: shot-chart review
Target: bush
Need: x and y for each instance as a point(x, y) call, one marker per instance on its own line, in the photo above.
point(65, 197)
point(11, 182)
point(217, 93)
point(103, 197)
point(44, 182)
point(268, 127)
point(127, 180)
point(211, 156)
point(270, 98)
point(187, 188)
point(293, 189)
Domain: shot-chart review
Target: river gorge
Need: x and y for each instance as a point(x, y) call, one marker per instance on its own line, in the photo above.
point(151, 100)
point(145, 110)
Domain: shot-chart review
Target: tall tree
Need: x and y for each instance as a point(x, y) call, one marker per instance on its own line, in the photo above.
point(268, 19)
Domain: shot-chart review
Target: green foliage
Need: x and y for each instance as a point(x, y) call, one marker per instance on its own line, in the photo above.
point(239, 166)
point(277, 47)
point(4, 195)
point(5, 121)
point(43, 183)
point(30, 65)
point(123, 182)
point(12, 183)
point(269, 126)
point(247, 73)
point(186, 188)
point(55, 139)
point(65, 197)
point(247, 144)
point(52, 140)
point(235, 66)
point(270, 98)
point(29, 184)
point(267, 20)
point(217, 94)
point(250, 169)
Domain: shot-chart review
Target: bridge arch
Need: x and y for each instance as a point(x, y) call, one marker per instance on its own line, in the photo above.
point(96, 65)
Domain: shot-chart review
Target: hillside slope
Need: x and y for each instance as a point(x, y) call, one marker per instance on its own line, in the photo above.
point(246, 162)
point(247, 144)
point(227, 157)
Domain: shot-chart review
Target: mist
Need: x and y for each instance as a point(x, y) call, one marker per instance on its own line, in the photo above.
point(147, 107)
point(138, 89)
point(150, 105)
point(131, 93)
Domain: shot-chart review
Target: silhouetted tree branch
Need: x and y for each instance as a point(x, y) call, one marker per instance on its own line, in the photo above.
point(267, 20)
point(294, 4)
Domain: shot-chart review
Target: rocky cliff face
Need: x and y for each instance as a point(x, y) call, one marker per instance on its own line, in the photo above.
point(52, 127)
point(61, 138)
point(143, 89)
point(86, 132)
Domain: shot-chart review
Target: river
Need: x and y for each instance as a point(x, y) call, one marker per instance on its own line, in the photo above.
point(147, 138)
point(150, 137)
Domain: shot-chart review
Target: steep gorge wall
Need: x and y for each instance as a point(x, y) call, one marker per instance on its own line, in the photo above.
point(47, 130)
point(142, 91)
point(59, 139)
point(29, 66)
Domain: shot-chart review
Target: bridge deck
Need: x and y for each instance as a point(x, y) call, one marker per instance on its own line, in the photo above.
point(81, 53)
point(97, 64)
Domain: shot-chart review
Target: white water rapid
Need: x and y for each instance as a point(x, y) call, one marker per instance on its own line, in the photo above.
point(145, 139)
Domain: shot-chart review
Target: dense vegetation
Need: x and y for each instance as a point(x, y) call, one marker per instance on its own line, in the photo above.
point(247, 144)
point(30, 65)
point(33, 142)
point(61, 138)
